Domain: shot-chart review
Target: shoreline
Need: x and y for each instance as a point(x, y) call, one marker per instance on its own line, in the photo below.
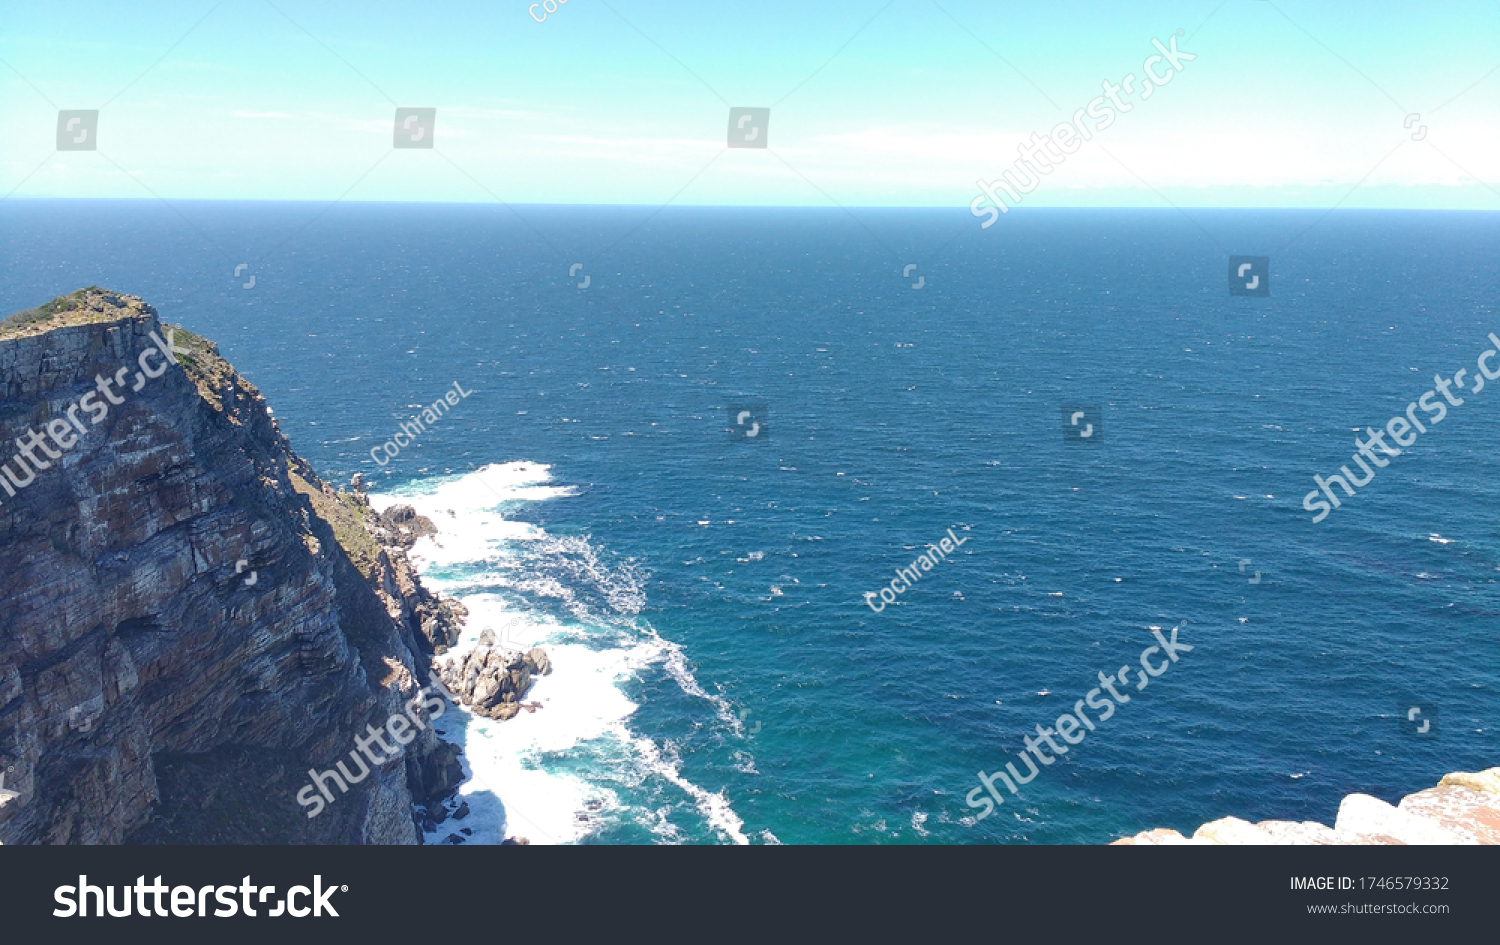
point(488, 561)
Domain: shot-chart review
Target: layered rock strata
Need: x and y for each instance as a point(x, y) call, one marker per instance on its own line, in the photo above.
point(190, 618)
point(1464, 808)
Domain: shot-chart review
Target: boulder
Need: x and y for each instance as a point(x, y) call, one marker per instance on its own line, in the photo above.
point(486, 692)
point(437, 773)
point(1463, 809)
point(1232, 831)
point(491, 680)
point(1160, 837)
point(1487, 781)
point(538, 661)
point(1363, 814)
point(1473, 816)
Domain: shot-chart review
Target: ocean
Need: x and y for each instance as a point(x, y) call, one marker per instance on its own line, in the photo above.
point(719, 675)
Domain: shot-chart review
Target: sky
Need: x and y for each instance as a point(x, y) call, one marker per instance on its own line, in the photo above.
point(873, 103)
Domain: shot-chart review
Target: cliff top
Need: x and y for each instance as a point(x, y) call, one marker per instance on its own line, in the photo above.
point(83, 307)
point(218, 383)
point(94, 305)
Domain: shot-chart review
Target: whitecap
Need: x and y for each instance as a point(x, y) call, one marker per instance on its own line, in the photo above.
point(530, 588)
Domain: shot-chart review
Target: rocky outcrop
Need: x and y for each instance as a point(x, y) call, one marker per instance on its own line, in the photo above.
point(493, 680)
point(1464, 804)
point(437, 621)
point(1463, 809)
point(190, 618)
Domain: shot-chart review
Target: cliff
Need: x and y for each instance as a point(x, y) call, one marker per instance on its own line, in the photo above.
point(190, 618)
point(1464, 808)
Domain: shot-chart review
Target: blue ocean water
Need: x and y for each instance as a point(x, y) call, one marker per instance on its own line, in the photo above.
point(719, 583)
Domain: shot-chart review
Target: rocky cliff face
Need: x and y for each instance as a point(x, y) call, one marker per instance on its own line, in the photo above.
point(190, 619)
point(1464, 808)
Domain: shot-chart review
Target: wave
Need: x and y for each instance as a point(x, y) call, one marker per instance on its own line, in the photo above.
point(564, 771)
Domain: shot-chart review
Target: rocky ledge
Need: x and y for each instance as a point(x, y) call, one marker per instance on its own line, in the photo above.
point(190, 618)
point(1464, 808)
point(493, 680)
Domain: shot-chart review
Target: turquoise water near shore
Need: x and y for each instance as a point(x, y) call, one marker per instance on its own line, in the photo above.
point(720, 676)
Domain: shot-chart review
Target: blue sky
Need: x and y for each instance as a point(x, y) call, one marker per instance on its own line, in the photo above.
point(904, 103)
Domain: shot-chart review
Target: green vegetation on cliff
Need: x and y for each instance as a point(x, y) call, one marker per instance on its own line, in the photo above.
point(75, 308)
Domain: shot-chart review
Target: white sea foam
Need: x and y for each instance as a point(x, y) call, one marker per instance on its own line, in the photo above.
point(714, 807)
point(529, 776)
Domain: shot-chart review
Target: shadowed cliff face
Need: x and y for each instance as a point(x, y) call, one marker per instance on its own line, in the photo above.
point(183, 634)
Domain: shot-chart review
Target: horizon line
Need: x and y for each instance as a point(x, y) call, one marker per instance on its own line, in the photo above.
point(958, 208)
